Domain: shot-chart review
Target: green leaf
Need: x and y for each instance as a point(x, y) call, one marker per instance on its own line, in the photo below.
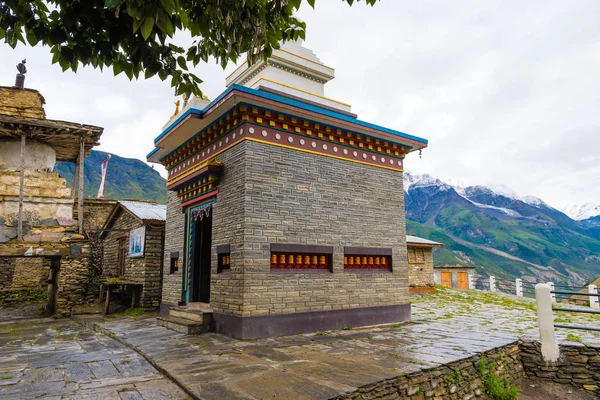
point(117, 68)
point(168, 5)
point(147, 27)
point(136, 24)
point(112, 3)
point(31, 38)
point(182, 63)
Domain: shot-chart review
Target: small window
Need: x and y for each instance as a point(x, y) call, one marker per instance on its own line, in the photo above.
point(174, 267)
point(123, 250)
point(367, 258)
point(223, 258)
point(416, 255)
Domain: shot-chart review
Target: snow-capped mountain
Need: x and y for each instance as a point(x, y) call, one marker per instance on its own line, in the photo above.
point(497, 230)
point(581, 212)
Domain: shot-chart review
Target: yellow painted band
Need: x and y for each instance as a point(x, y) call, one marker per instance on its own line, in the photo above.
point(307, 59)
point(304, 91)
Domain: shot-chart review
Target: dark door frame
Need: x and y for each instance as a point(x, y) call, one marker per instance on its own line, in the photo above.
point(201, 257)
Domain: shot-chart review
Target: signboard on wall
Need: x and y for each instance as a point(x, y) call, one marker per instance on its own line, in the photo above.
point(136, 242)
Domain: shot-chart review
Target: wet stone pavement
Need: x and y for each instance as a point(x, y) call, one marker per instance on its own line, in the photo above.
point(60, 359)
point(447, 326)
point(74, 362)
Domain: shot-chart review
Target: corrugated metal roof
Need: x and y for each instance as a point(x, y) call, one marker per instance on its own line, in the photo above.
point(418, 240)
point(146, 211)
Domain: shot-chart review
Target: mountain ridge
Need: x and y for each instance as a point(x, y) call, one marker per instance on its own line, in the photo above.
point(501, 233)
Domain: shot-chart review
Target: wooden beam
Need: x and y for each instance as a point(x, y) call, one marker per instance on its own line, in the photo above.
point(75, 177)
point(21, 185)
point(80, 188)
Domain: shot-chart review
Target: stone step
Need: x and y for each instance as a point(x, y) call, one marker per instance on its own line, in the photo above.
point(192, 315)
point(184, 326)
point(197, 306)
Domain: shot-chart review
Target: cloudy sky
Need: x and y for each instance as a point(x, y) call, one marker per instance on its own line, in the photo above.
point(506, 92)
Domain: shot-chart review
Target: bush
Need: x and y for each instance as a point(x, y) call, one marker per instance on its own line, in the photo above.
point(494, 387)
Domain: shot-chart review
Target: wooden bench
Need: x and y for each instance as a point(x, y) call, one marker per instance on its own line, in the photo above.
point(125, 286)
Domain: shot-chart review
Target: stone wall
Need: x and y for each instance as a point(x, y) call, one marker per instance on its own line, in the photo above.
point(18, 273)
point(174, 240)
point(457, 380)
point(420, 274)
point(299, 198)
point(270, 195)
point(73, 281)
point(27, 103)
point(144, 270)
point(578, 365)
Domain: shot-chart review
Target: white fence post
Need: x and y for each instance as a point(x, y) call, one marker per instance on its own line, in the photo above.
point(594, 303)
point(492, 284)
point(519, 287)
point(470, 282)
point(552, 295)
point(543, 299)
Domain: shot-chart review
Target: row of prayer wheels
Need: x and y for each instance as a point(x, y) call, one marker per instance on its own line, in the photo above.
point(365, 262)
point(299, 261)
point(226, 260)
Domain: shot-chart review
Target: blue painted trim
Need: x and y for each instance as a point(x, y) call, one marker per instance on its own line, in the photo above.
point(295, 103)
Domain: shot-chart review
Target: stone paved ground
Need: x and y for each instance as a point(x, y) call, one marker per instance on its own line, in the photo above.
point(57, 359)
point(60, 359)
point(448, 326)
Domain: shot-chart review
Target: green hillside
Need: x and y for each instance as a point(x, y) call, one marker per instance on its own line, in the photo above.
point(126, 178)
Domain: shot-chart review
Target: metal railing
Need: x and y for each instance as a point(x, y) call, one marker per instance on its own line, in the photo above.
point(545, 296)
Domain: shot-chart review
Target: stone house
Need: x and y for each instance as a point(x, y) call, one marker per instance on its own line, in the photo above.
point(453, 276)
point(42, 240)
point(285, 212)
point(420, 263)
point(133, 238)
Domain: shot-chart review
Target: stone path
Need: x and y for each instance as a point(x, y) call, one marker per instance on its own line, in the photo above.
point(60, 359)
point(447, 326)
point(51, 359)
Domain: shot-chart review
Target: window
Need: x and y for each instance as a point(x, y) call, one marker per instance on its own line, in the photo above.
point(416, 255)
point(367, 258)
point(300, 257)
point(174, 262)
point(123, 250)
point(223, 258)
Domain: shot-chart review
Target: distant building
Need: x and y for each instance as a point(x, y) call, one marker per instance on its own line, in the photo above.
point(42, 239)
point(420, 263)
point(453, 276)
point(285, 212)
point(133, 239)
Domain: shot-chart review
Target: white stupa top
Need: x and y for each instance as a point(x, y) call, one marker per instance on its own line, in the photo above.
point(293, 70)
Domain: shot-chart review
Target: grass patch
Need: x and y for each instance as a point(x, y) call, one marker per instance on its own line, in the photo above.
point(25, 296)
point(571, 337)
point(5, 377)
point(135, 312)
point(494, 386)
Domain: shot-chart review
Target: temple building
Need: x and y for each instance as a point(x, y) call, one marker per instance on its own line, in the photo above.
point(285, 211)
point(42, 239)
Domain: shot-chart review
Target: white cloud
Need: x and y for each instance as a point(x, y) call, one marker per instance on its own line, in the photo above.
point(505, 91)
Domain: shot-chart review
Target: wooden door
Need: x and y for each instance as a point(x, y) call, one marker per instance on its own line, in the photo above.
point(446, 279)
point(463, 280)
point(201, 265)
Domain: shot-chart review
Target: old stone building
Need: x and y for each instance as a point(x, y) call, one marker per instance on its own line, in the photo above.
point(285, 212)
point(133, 237)
point(41, 237)
point(420, 263)
point(453, 276)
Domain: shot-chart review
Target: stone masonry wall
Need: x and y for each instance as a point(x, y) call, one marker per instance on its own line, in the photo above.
point(27, 103)
point(73, 281)
point(457, 380)
point(421, 274)
point(301, 198)
point(174, 238)
point(145, 270)
point(578, 365)
point(18, 273)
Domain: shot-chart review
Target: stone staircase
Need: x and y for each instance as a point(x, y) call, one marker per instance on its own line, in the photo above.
point(192, 319)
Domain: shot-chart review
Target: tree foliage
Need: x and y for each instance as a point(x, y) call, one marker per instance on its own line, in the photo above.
point(135, 36)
